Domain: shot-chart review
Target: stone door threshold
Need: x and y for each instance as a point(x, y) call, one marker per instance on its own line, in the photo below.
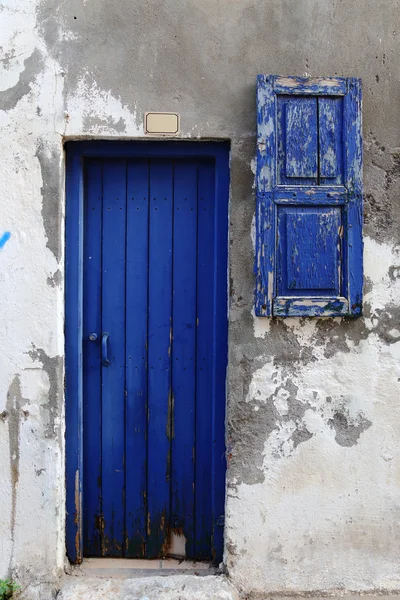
point(123, 568)
point(151, 587)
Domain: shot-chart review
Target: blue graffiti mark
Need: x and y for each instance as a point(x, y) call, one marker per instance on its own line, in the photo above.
point(4, 239)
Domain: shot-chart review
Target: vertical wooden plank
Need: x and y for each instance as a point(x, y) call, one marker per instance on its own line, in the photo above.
point(265, 254)
point(266, 133)
point(205, 361)
point(353, 182)
point(297, 140)
point(92, 515)
point(113, 376)
point(136, 355)
point(184, 353)
point(266, 181)
point(301, 138)
point(330, 120)
point(159, 355)
point(220, 350)
point(73, 352)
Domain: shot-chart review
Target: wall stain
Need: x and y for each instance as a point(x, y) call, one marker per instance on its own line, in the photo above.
point(252, 420)
point(394, 272)
point(53, 366)
point(8, 58)
point(348, 430)
point(49, 160)
point(248, 431)
point(300, 435)
point(92, 122)
point(381, 217)
point(13, 413)
point(55, 279)
point(335, 334)
point(32, 67)
point(368, 285)
point(388, 325)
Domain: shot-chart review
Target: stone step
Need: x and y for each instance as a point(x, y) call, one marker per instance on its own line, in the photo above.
point(111, 568)
point(151, 587)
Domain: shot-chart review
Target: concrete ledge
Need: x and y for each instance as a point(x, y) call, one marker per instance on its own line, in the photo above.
point(175, 587)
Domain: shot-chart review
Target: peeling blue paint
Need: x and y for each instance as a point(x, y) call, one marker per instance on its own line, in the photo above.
point(309, 197)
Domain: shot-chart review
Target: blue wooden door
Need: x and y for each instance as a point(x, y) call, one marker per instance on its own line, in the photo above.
point(153, 463)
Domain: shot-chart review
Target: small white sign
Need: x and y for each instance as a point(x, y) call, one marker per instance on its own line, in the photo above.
point(161, 123)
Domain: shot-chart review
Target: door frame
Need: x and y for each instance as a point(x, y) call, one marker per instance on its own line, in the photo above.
point(76, 152)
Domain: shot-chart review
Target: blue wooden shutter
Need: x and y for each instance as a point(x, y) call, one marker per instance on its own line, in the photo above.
point(309, 197)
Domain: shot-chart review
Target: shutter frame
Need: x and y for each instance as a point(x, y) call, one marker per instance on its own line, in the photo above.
point(344, 199)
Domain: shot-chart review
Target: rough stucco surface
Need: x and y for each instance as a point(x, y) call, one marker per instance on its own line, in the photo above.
point(313, 405)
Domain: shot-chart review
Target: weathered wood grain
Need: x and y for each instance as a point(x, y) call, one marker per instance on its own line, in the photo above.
point(309, 197)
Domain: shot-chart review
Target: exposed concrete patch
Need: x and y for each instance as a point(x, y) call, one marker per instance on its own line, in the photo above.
point(348, 430)
point(368, 285)
point(299, 436)
point(248, 428)
point(13, 415)
point(97, 111)
point(381, 219)
point(334, 335)
point(53, 366)
point(394, 272)
point(281, 412)
point(387, 324)
point(32, 67)
point(7, 57)
point(91, 123)
point(56, 279)
point(271, 403)
point(49, 159)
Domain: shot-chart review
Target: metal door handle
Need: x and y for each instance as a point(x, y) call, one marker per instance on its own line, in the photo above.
point(104, 349)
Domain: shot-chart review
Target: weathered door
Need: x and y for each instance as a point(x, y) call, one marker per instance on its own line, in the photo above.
point(152, 381)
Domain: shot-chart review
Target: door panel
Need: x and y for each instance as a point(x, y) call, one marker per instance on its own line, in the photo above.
point(113, 375)
point(92, 527)
point(205, 359)
point(149, 415)
point(184, 354)
point(137, 266)
point(159, 353)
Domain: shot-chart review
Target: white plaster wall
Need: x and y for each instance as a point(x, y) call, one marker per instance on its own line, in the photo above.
point(31, 464)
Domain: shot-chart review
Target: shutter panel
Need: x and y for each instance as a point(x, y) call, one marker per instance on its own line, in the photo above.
point(309, 197)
